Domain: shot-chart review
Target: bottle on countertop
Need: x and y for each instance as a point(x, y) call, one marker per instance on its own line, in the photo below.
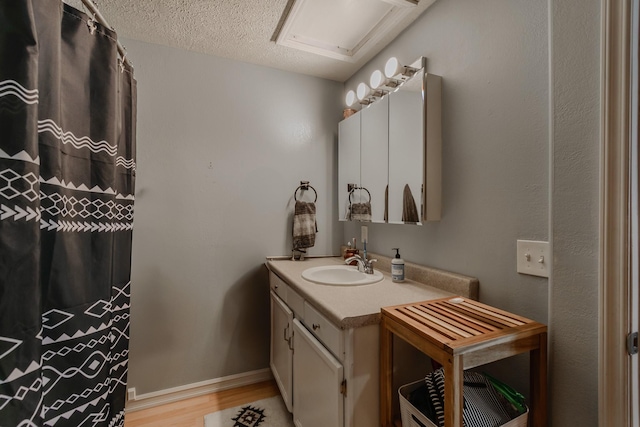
point(397, 267)
point(351, 251)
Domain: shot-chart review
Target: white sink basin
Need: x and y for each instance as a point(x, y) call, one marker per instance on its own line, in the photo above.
point(340, 275)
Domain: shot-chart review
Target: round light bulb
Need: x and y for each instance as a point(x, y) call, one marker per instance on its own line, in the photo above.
point(362, 91)
point(350, 99)
point(392, 67)
point(376, 79)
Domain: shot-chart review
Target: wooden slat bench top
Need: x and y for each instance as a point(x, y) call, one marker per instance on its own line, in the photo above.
point(458, 325)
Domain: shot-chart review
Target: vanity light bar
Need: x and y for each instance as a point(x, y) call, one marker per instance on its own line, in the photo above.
point(393, 77)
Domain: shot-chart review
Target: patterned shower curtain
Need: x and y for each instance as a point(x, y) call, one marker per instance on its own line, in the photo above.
point(67, 173)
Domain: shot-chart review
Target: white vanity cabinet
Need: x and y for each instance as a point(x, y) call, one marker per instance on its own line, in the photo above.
point(318, 379)
point(328, 375)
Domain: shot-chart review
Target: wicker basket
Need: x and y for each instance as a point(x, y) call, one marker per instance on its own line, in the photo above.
point(411, 417)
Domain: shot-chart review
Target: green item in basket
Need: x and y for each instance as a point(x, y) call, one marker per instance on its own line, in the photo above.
point(513, 397)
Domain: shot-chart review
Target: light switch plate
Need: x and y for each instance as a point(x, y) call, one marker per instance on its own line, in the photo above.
point(533, 257)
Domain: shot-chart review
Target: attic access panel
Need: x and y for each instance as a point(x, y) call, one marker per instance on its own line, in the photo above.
point(341, 29)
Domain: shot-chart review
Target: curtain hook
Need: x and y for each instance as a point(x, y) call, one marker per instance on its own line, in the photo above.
point(122, 60)
point(91, 23)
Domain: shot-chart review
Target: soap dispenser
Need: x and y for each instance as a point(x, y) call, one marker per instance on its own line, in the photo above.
point(397, 267)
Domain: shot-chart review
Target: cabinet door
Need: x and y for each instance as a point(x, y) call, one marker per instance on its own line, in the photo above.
point(348, 160)
point(406, 153)
point(374, 157)
point(281, 350)
point(317, 377)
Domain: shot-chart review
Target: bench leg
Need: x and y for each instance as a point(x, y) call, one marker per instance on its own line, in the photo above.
point(453, 388)
point(386, 375)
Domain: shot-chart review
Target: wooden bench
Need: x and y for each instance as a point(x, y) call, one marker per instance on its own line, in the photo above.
point(460, 333)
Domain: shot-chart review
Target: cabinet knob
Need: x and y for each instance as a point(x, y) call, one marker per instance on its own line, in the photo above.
point(315, 326)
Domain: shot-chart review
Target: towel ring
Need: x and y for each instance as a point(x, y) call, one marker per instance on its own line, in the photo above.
point(304, 185)
point(359, 188)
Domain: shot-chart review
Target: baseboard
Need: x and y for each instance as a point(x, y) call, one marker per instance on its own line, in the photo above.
point(161, 397)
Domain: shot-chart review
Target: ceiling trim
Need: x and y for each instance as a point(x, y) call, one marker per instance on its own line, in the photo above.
point(283, 18)
point(363, 38)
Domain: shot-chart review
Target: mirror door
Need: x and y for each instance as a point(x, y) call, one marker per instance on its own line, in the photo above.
point(406, 152)
point(348, 161)
point(374, 163)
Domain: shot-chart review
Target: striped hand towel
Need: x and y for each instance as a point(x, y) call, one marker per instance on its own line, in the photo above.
point(304, 225)
point(360, 212)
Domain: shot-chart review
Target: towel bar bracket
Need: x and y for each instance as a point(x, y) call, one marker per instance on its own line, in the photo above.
point(304, 186)
point(358, 188)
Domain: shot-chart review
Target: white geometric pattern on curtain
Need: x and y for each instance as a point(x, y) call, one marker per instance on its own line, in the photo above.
point(67, 181)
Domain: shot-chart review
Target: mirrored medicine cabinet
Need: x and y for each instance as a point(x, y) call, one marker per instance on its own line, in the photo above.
point(389, 154)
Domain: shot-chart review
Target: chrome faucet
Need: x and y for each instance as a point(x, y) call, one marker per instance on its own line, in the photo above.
point(364, 265)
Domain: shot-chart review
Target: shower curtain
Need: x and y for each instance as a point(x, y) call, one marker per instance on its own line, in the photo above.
point(67, 172)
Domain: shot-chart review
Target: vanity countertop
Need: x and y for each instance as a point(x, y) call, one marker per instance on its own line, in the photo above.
point(352, 306)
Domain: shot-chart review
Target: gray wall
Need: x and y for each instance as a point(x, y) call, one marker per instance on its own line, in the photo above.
point(514, 168)
point(573, 299)
point(222, 146)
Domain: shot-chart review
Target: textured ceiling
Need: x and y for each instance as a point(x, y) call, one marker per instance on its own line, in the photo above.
point(235, 29)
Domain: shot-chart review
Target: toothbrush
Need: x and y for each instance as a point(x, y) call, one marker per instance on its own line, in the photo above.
point(364, 236)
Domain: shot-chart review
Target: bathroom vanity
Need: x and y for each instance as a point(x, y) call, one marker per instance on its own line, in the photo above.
point(325, 338)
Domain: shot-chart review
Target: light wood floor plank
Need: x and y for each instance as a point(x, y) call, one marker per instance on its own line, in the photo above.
point(191, 412)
